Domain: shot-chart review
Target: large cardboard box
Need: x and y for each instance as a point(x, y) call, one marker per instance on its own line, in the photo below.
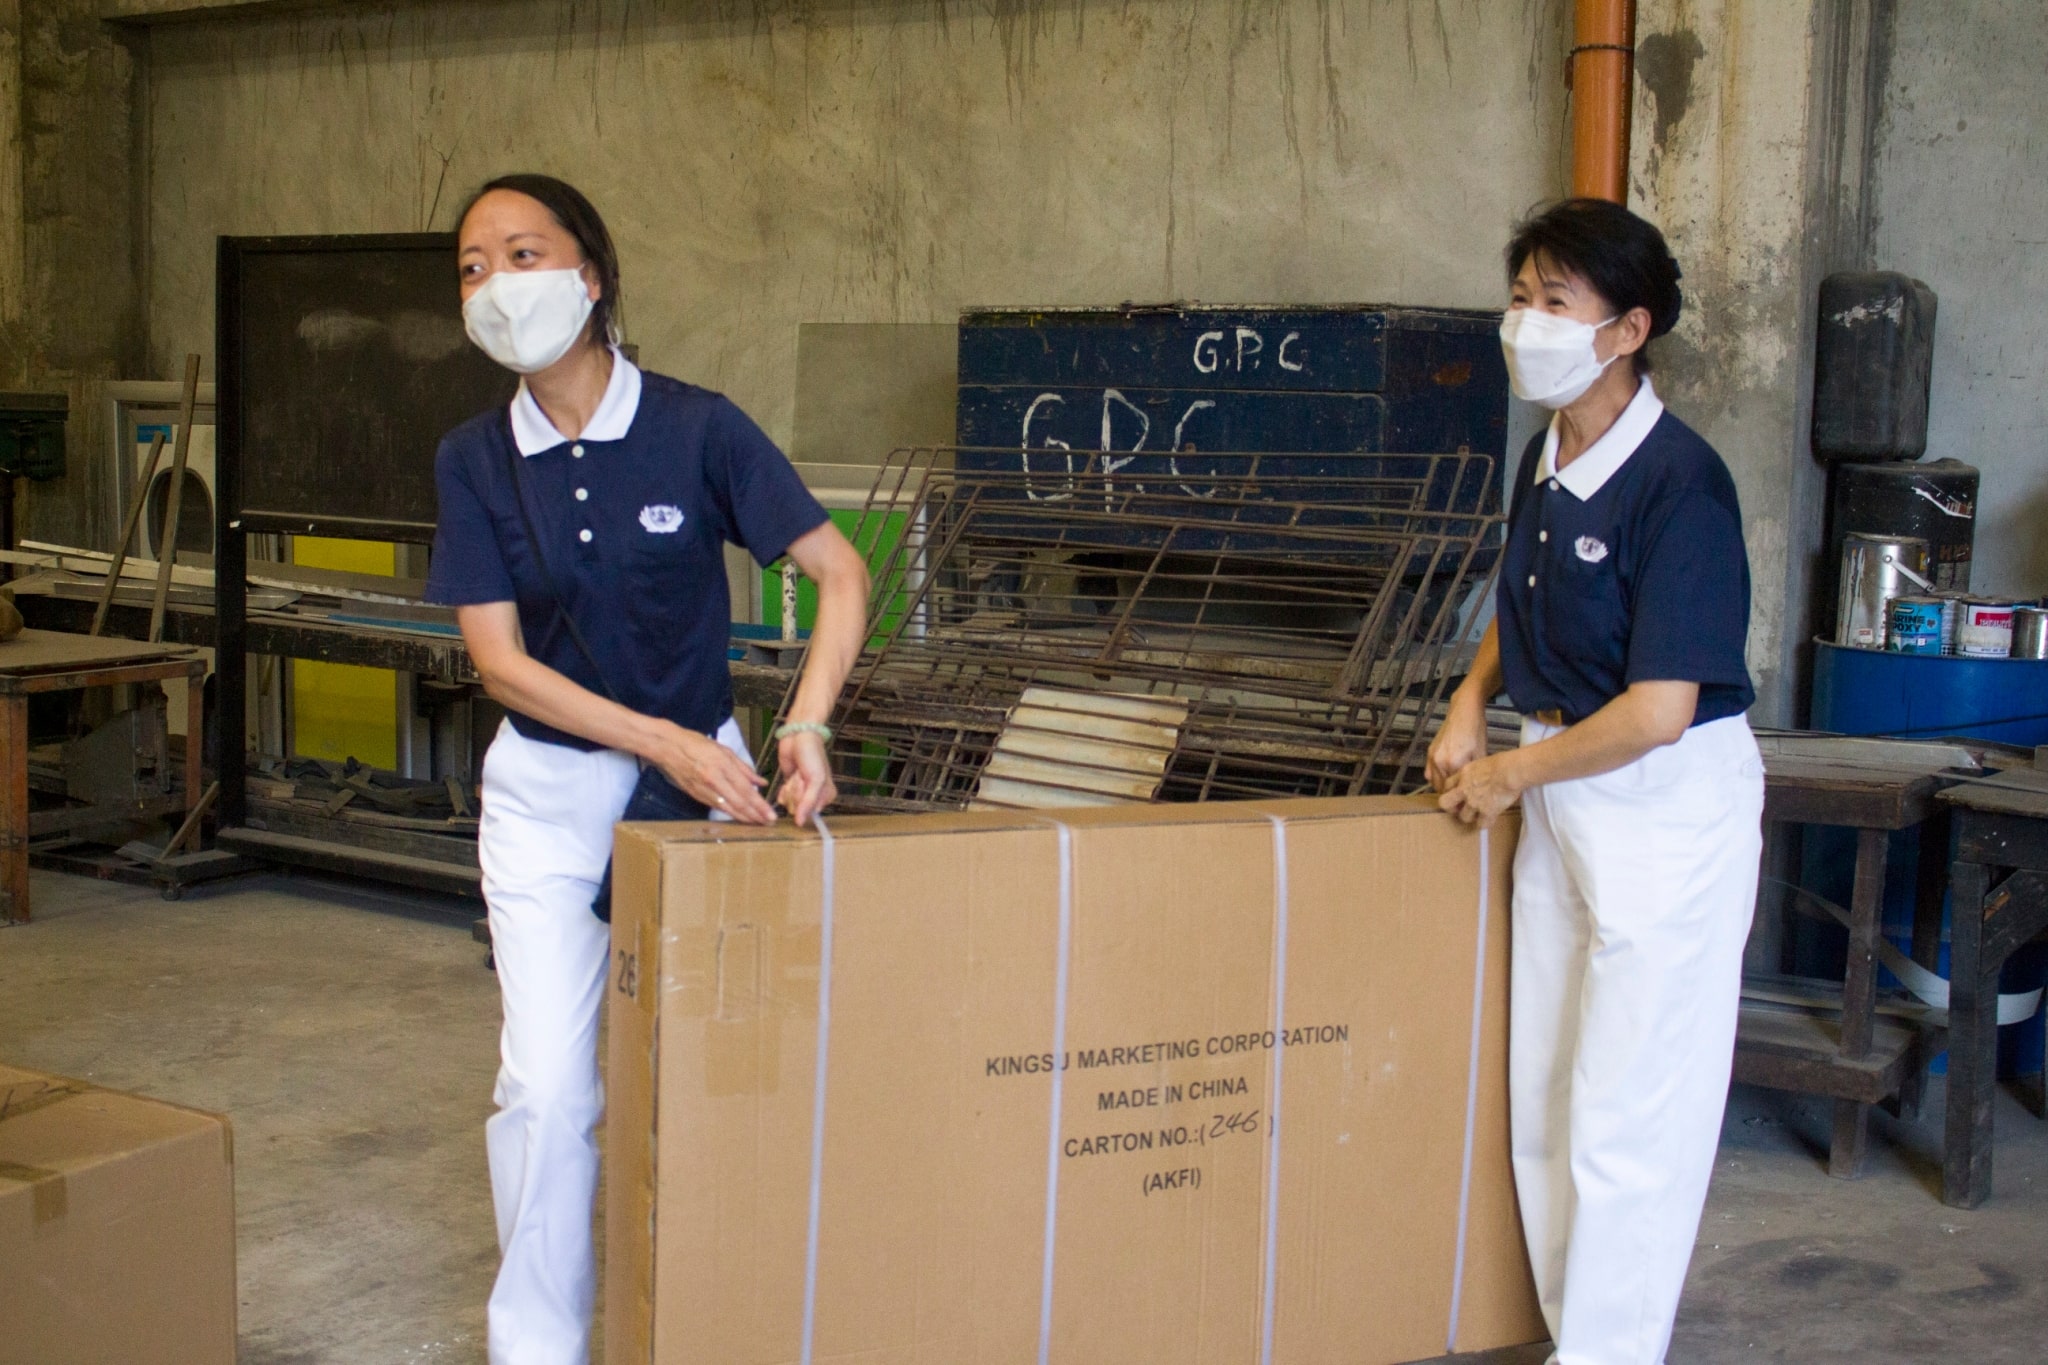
point(117, 1228)
point(1144, 1085)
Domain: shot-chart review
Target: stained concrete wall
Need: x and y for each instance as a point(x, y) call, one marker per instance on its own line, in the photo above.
point(1728, 105)
point(70, 297)
point(1960, 199)
point(878, 161)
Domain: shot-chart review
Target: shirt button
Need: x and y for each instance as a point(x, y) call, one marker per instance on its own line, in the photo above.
point(577, 451)
point(583, 495)
point(1532, 577)
point(1553, 482)
point(1540, 535)
point(585, 538)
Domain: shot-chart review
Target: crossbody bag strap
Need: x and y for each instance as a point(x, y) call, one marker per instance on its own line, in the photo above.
point(540, 559)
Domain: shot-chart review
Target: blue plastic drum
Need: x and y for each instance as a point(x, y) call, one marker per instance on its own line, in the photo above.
point(1924, 696)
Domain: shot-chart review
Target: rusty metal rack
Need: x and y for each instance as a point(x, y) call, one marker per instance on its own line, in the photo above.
point(1079, 628)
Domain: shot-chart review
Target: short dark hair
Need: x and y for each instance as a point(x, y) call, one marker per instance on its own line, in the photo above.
point(1620, 254)
point(579, 218)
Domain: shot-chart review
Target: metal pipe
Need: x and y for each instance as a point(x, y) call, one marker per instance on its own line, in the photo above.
point(1599, 72)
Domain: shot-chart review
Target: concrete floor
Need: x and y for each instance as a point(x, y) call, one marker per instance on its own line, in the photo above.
point(351, 1033)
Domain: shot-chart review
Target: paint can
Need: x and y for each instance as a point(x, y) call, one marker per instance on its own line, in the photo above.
point(1875, 569)
point(1952, 613)
point(1916, 624)
point(1984, 627)
point(2030, 633)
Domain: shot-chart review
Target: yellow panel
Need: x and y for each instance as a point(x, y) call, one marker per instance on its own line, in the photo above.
point(340, 711)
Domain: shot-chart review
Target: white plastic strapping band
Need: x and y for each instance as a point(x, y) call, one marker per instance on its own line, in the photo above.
point(1059, 1052)
point(825, 908)
point(1271, 1252)
point(1471, 1088)
point(2013, 1008)
point(1927, 987)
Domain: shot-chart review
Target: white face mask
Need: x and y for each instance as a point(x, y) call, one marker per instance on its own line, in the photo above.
point(1550, 358)
point(526, 320)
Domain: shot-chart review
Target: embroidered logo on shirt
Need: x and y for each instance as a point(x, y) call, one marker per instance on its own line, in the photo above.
point(1590, 550)
point(662, 519)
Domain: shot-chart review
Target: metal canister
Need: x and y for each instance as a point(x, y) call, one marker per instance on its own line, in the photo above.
point(1984, 629)
point(2030, 633)
point(1876, 569)
point(1951, 612)
point(1913, 625)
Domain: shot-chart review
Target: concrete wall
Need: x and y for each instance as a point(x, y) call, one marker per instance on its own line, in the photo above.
point(769, 165)
point(1960, 199)
point(1727, 108)
point(70, 298)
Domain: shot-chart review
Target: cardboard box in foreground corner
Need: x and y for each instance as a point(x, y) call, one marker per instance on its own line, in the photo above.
point(1073, 1089)
point(117, 1228)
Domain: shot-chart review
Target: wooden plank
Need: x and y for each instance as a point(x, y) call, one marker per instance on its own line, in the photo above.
point(997, 793)
point(1067, 775)
point(2027, 779)
point(303, 821)
point(71, 585)
point(1104, 707)
point(1850, 1141)
point(2000, 837)
point(2015, 914)
point(1819, 772)
point(190, 827)
point(44, 651)
point(1816, 993)
point(1797, 1050)
point(135, 505)
point(66, 819)
point(102, 675)
point(2005, 800)
point(1898, 755)
point(428, 873)
point(1866, 903)
point(1857, 798)
point(93, 564)
point(1137, 763)
point(1973, 1040)
point(1931, 886)
point(196, 571)
point(1064, 748)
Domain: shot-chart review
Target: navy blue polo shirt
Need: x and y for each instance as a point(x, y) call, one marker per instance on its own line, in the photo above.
point(633, 531)
point(1627, 566)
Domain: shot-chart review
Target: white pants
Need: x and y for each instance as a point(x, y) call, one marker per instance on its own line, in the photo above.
point(1633, 897)
point(545, 836)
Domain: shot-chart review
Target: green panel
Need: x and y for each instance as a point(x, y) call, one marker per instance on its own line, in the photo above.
point(876, 542)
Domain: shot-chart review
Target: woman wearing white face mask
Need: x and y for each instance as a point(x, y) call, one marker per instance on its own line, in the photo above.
point(1623, 609)
point(581, 540)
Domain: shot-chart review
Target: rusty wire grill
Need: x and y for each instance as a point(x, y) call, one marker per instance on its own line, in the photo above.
point(1292, 620)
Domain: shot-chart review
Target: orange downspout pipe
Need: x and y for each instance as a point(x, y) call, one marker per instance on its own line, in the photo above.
point(1599, 73)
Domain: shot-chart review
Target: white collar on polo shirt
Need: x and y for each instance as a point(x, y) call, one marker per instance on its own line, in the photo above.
point(532, 432)
point(1599, 461)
